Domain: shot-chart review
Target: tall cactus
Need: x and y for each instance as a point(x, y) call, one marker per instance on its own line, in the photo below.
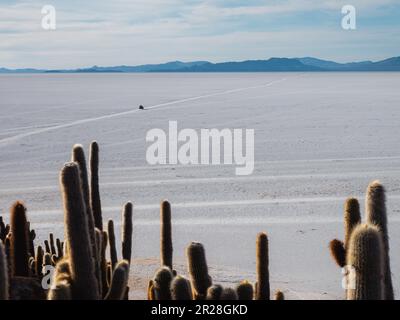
point(166, 235)
point(78, 156)
point(19, 241)
point(262, 266)
point(113, 248)
point(198, 269)
point(365, 258)
point(84, 285)
point(4, 289)
point(375, 205)
point(127, 229)
point(95, 201)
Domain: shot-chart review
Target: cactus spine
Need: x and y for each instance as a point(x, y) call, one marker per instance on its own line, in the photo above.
point(376, 214)
point(198, 269)
point(262, 266)
point(166, 235)
point(127, 229)
point(181, 289)
point(19, 241)
point(4, 289)
point(365, 258)
point(80, 253)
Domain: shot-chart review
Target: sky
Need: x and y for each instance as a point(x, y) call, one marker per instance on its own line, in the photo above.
point(123, 32)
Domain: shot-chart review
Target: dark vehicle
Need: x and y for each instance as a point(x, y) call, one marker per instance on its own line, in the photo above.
point(141, 107)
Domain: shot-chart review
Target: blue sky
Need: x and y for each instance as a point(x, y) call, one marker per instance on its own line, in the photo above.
point(131, 32)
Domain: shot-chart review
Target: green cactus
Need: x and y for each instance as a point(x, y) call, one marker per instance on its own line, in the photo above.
point(84, 283)
point(103, 264)
point(181, 289)
point(4, 287)
point(245, 290)
point(113, 248)
point(127, 229)
point(19, 241)
point(166, 235)
point(365, 259)
point(198, 270)
point(161, 284)
point(59, 245)
point(262, 266)
point(119, 281)
point(214, 292)
point(95, 201)
point(375, 206)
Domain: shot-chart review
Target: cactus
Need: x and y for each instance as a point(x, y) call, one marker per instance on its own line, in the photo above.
point(4, 289)
point(198, 269)
point(214, 292)
point(113, 248)
point(39, 261)
point(127, 229)
point(229, 294)
point(103, 264)
point(19, 241)
point(161, 283)
point(151, 295)
point(78, 156)
point(47, 246)
point(365, 258)
point(166, 235)
point(181, 289)
point(279, 295)
point(338, 252)
point(245, 291)
point(52, 245)
point(59, 246)
point(32, 236)
point(119, 281)
point(262, 266)
point(61, 291)
point(95, 201)
point(376, 214)
point(80, 253)
point(352, 218)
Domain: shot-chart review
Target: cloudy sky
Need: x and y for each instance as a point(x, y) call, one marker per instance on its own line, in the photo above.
point(105, 32)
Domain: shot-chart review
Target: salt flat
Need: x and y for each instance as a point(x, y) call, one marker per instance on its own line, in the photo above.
point(319, 138)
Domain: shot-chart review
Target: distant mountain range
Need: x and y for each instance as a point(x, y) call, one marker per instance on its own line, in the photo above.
point(271, 65)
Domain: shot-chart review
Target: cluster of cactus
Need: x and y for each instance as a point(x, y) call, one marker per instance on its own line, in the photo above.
point(81, 269)
point(364, 254)
point(168, 285)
